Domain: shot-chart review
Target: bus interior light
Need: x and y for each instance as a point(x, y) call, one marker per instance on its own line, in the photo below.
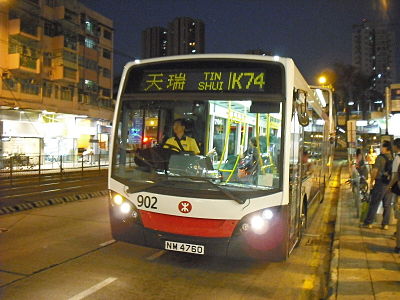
point(125, 208)
point(118, 199)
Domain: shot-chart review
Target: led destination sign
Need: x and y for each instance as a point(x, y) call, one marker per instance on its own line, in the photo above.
point(205, 81)
point(207, 77)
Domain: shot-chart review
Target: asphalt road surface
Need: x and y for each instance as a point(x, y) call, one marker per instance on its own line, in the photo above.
point(67, 252)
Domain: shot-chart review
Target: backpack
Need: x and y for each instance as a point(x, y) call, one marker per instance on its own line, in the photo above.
point(387, 170)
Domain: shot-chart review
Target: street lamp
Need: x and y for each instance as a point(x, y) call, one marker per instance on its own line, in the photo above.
point(322, 80)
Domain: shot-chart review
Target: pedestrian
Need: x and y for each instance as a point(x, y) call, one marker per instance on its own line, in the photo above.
point(361, 166)
point(380, 178)
point(249, 165)
point(395, 180)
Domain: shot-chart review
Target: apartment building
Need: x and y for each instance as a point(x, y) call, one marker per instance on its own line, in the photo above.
point(154, 42)
point(184, 35)
point(373, 52)
point(56, 67)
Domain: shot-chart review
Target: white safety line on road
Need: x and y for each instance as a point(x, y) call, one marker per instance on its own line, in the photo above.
point(107, 243)
point(93, 289)
point(156, 255)
point(311, 235)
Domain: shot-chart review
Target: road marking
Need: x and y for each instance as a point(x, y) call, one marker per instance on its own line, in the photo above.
point(93, 289)
point(107, 243)
point(311, 235)
point(156, 255)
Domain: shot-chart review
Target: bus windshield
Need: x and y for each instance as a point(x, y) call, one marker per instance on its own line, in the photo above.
point(186, 145)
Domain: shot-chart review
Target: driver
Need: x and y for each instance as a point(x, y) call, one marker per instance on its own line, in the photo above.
point(181, 142)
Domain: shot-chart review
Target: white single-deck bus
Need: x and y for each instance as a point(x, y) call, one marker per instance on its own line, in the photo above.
point(250, 190)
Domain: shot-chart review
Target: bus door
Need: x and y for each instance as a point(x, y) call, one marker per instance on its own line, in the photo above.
point(295, 179)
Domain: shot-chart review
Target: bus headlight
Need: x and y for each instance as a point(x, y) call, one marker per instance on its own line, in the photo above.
point(267, 214)
point(257, 223)
point(118, 199)
point(125, 208)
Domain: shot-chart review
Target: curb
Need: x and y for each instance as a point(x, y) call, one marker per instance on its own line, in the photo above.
point(42, 203)
point(334, 264)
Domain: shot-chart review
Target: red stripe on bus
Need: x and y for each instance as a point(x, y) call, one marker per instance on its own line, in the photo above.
point(212, 228)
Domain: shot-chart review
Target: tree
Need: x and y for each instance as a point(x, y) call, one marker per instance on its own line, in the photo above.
point(351, 85)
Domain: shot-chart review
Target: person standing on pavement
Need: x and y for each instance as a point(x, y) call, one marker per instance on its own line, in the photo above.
point(394, 180)
point(379, 190)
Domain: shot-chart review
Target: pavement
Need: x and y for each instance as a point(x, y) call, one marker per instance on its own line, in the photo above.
point(363, 265)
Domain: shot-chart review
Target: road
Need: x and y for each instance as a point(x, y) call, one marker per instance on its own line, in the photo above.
point(27, 189)
point(67, 252)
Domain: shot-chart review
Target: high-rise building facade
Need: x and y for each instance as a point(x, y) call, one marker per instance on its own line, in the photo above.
point(154, 42)
point(185, 36)
point(56, 66)
point(374, 53)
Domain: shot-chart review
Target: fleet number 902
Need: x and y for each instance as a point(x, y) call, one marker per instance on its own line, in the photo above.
point(147, 201)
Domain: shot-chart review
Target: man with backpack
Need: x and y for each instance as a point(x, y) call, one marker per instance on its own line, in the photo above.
point(395, 181)
point(380, 177)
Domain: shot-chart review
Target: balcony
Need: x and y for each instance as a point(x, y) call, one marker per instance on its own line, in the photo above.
point(62, 41)
point(65, 74)
point(22, 63)
point(67, 17)
point(23, 30)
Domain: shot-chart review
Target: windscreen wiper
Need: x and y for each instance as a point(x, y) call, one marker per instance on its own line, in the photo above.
point(145, 186)
point(240, 200)
point(165, 182)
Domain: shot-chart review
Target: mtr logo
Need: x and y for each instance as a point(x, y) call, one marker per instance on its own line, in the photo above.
point(185, 207)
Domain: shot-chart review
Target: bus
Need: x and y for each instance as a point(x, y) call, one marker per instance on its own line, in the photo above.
point(245, 191)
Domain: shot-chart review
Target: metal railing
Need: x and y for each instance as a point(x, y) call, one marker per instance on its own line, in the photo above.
point(21, 164)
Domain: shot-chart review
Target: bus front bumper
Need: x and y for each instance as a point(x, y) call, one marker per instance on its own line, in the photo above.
point(271, 245)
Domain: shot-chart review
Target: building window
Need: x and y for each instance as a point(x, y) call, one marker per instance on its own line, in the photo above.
point(106, 73)
point(88, 85)
point(47, 59)
point(10, 84)
point(49, 28)
point(67, 93)
point(69, 73)
point(47, 89)
point(107, 34)
point(90, 43)
point(56, 91)
point(69, 15)
point(70, 41)
point(106, 92)
point(69, 56)
point(90, 25)
point(51, 3)
point(88, 63)
point(28, 86)
point(106, 53)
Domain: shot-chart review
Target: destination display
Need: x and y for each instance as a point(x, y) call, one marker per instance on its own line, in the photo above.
point(204, 81)
point(206, 76)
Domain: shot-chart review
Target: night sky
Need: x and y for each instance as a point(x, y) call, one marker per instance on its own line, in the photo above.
point(315, 33)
